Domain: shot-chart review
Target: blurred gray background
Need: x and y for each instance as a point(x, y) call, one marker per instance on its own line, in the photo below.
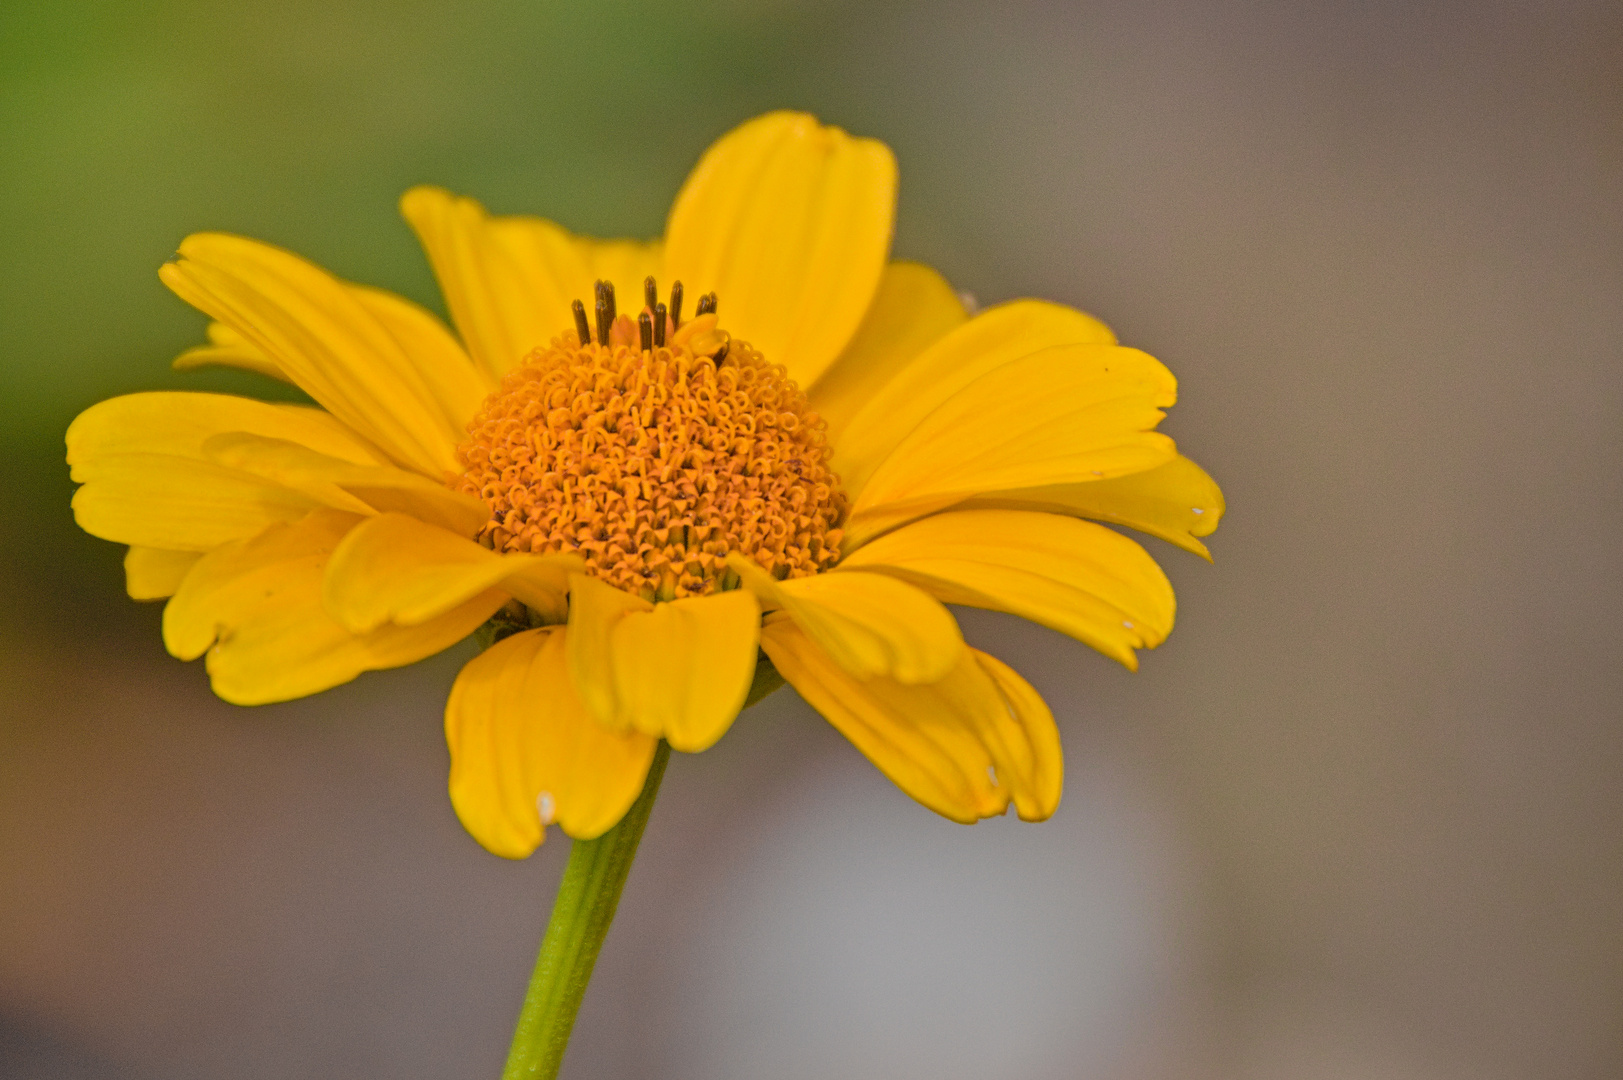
point(1360, 818)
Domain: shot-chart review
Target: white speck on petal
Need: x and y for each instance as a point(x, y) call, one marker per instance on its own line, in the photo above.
point(547, 806)
point(1127, 624)
point(967, 298)
point(1197, 510)
point(991, 774)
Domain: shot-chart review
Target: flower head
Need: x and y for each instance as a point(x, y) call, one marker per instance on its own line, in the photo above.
point(652, 512)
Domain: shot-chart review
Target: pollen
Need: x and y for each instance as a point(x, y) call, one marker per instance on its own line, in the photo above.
point(654, 452)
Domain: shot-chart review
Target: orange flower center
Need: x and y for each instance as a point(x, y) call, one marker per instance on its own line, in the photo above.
point(655, 458)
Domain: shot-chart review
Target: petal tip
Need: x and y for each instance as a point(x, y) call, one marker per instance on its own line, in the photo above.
point(421, 199)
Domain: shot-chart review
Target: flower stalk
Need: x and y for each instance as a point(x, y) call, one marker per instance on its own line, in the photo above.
point(587, 899)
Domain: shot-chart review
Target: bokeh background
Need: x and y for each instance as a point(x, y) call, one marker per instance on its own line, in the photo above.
point(1360, 818)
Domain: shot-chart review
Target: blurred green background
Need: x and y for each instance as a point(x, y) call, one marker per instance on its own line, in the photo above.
point(1360, 817)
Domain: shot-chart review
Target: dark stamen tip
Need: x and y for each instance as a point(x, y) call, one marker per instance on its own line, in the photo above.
point(645, 330)
point(605, 318)
point(582, 331)
point(659, 324)
point(707, 305)
point(650, 292)
point(676, 305)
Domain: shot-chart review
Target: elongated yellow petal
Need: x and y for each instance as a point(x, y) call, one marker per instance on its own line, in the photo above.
point(394, 568)
point(965, 746)
point(525, 753)
point(1177, 502)
point(509, 281)
point(994, 337)
point(865, 622)
point(1079, 578)
point(1066, 414)
point(789, 222)
point(343, 486)
point(148, 482)
point(180, 503)
point(1030, 742)
point(165, 422)
point(458, 386)
point(325, 339)
point(452, 378)
point(913, 309)
point(679, 670)
point(254, 606)
point(155, 573)
point(595, 609)
point(223, 589)
point(227, 348)
point(683, 670)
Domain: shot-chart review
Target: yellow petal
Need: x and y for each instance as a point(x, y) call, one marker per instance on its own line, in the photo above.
point(789, 223)
point(1074, 576)
point(458, 386)
point(168, 501)
point(1030, 742)
point(155, 573)
point(914, 308)
point(525, 754)
point(227, 348)
point(255, 607)
point(1177, 502)
point(343, 486)
point(394, 568)
point(455, 383)
point(595, 609)
point(869, 624)
point(165, 422)
point(509, 281)
point(679, 670)
point(148, 482)
point(991, 339)
point(325, 339)
point(965, 746)
point(1066, 414)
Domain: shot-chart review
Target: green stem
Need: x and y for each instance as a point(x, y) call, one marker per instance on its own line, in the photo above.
point(587, 897)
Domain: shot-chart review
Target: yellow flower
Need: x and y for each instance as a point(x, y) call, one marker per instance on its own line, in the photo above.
point(807, 466)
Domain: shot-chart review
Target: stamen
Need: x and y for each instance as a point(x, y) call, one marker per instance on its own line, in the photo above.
point(645, 331)
point(659, 324)
point(707, 305)
point(605, 311)
point(650, 293)
point(676, 305)
point(582, 331)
